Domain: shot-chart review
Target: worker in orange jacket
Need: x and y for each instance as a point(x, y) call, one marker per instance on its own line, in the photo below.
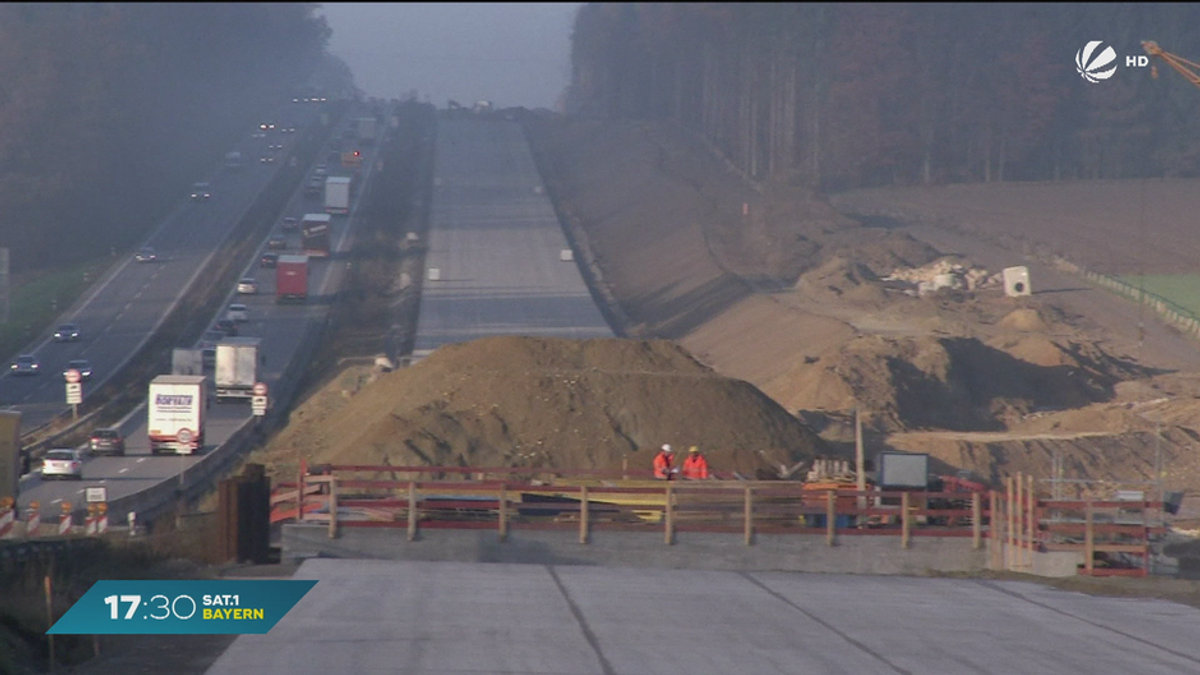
point(695, 467)
point(664, 463)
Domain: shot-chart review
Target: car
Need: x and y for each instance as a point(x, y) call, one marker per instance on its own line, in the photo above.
point(227, 326)
point(277, 242)
point(288, 130)
point(289, 224)
point(26, 364)
point(107, 441)
point(237, 312)
point(257, 135)
point(268, 259)
point(267, 126)
point(275, 146)
point(267, 159)
point(315, 187)
point(201, 192)
point(146, 254)
point(62, 463)
point(82, 365)
point(247, 286)
point(67, 332)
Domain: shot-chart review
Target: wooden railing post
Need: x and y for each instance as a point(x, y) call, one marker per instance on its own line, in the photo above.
point(994, 525)
point(1030, 529)
point(669, 517)
point(1010, 534)
point(1019, 553)
point(412, 511)
point(300, 487)
point(583, 514)
point(503, 513)
point(905, 520)
point(976, 521)
point(830, 516)
point(1089, 540)
point(749, 516)
point(333, 507)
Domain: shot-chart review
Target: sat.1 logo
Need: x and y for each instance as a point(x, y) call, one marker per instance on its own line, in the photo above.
point(1093, 66)
point(1096, 65)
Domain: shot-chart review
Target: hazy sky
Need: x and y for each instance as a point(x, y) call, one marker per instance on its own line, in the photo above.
point(513, 54)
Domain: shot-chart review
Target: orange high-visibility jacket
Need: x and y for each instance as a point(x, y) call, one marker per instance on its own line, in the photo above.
point(695, 467)
point(662, 465)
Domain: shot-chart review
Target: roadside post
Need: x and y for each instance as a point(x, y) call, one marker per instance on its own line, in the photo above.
point(74, 392)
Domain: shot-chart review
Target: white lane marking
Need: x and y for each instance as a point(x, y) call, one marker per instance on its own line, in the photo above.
point(80, 491)
point(123, 470)
point(56, 500)
point(141, 460)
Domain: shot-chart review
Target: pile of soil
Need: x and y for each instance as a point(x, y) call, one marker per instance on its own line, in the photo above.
point(543, 402)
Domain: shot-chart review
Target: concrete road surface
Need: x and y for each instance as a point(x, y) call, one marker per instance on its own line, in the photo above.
point(496, 244)
point(371, 617)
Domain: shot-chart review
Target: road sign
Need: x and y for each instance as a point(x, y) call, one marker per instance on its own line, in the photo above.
point(96, 495)
point(72, 375)
point(184, 436)
point(74, 393)
point(258, 405)
point(260, 389)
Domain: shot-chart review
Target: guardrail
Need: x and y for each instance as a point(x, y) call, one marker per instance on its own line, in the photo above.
point(1112, 537)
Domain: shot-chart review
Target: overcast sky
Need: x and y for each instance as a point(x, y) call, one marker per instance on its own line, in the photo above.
point(513, 54)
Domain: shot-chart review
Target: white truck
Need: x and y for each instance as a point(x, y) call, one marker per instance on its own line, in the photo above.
point(366, 130)
point(337, 194)
point(177, 406)
point(237, 368)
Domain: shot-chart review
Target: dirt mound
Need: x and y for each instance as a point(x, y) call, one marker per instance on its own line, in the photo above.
point(954, 382)
point(1025, 320)
point(516, 401)
point(840, 279)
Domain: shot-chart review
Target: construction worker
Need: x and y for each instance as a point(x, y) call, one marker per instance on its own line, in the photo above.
point(695, 467)
point(664, 463)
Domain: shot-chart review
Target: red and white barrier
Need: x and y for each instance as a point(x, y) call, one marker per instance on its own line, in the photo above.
point(64, 524)
point(8, 523)
point(34, 520)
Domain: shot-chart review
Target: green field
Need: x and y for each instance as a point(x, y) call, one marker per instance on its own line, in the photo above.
point(1180, 289)
point(37, 303)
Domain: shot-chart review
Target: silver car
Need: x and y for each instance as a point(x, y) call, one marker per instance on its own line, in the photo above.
point(62, 463)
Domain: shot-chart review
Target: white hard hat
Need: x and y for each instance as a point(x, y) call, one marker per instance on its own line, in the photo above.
point(666, 447)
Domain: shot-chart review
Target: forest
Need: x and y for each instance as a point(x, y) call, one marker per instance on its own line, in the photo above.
point(109, 111)
point(845, 95)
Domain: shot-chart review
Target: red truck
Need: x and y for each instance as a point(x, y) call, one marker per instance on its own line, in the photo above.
point(291, 278)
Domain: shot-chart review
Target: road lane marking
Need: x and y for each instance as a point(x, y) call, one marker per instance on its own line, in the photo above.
point(125, 469)
point(56, 500)
point(141, 460)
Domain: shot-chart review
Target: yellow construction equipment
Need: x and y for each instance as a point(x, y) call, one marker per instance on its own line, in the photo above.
point(1189, 69)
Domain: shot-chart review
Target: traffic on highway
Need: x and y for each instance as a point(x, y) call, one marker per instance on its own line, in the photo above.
point(122, 311)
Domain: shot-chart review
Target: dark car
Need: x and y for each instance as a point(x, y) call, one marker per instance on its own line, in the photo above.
point(108, 441)
point(268, 259)
point(289, 224)
point(67, 332)
point(26, 364)
point(82, 365)
point(146, 254)
point(277, 242)
point(201, 192)
point(227, 326)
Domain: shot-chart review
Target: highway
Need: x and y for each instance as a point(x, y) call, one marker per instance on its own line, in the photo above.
point(282, 329)
point(373, 616)
point(124, 308)
point(495, 242)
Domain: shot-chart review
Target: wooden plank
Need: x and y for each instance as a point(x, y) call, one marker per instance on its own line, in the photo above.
point(830, 516)
point(905, 521)
point(748, 516)
point(669, 516)
point(583, 515)
point(976, 521)
point(333, 509)
point(1089, 550)
point(412, 511)
point(503, 517)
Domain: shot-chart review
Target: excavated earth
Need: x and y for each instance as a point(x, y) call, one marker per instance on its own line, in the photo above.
point(758, 318)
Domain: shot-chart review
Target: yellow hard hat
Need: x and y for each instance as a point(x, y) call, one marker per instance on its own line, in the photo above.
point(693, 449)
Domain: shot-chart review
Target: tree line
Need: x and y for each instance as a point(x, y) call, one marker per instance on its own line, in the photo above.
point(844, 95)
point(109, 111)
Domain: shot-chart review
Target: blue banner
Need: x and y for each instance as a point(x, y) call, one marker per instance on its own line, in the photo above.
point(228, 607)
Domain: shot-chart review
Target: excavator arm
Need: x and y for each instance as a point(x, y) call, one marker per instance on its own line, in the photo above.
point(1189, 69)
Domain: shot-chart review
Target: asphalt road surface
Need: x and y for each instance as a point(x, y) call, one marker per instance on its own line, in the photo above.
point(282, 329)
point(496, 245)
point(123, 309)
point(373, 617)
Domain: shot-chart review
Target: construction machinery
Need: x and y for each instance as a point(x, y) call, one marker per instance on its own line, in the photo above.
point(1189, 69)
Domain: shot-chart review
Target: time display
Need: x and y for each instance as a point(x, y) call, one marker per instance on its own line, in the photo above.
point(182, 607)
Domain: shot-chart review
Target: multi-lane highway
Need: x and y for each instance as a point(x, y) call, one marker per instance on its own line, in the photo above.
point(282, 328)
point(496, 244)
point(123, 309)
